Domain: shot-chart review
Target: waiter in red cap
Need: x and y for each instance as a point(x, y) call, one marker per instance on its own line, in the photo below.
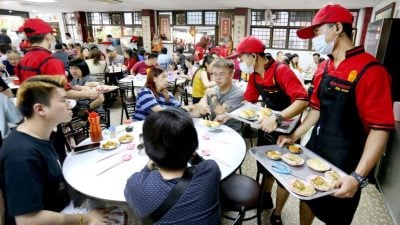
point(351, 110)
point(38, 59)
point(280, 90)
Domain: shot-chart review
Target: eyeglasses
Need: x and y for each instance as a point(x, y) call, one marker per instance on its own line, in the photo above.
point(219, 74)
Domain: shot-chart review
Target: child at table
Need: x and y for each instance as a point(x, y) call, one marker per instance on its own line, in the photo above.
point(170, 140)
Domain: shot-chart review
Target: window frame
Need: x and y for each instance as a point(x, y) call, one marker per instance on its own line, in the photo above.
point(257, 22)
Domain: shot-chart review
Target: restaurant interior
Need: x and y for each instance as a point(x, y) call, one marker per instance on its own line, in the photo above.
point(182, 24)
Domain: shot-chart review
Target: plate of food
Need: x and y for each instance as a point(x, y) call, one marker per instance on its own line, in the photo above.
point(320, 183)
point(248, 114)
point(301, 187)
point(92, 84)
point(292, 159)
point(264, 112)
point(211, 124)
point(126, 138)
point(318, 165)
point(332, 175)
point(294, 148)
point(273, 154)
point(109, 144)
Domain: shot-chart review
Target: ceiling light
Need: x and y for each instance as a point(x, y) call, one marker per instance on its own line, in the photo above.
point(42, 1)
point(10, 3)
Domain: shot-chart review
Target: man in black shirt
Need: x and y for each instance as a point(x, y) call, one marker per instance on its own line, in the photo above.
point(31, 178)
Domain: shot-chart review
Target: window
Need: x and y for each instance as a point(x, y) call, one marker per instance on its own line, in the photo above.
point(263, 33)
point(137, 18)
point(194, 18)
point(210, 18)
point(128, 18)
point(279, 38)
point(278, 28)
point(280, 18)
point(105, 18)
point(295, 42)
point(95, 18)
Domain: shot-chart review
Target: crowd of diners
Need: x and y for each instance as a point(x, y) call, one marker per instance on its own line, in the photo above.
point(348, 109)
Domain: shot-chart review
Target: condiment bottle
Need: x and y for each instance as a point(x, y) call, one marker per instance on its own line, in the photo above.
point(95, 128)
point(113, 132)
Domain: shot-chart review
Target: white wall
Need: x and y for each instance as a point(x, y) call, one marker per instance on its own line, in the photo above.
point(51, 17)
point(305, 57)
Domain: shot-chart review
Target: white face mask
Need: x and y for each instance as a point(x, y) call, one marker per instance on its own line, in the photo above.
point(321, 46)
point(245, 68)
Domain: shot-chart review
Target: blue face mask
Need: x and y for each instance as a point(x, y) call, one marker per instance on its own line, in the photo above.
point(245, 68)
point(321, 46)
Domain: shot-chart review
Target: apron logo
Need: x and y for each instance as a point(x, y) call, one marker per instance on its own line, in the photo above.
point(352, 75)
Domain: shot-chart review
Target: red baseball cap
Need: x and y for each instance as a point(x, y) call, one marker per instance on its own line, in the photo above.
point(328, 14)
point(36, 27)
point(249, 44)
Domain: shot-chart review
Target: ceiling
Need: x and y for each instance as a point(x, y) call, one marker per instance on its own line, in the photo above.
point(136, 5)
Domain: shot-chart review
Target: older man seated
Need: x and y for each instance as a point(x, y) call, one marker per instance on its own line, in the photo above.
point(222, 98)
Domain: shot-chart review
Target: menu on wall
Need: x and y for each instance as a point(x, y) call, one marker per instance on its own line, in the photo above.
point(239, 29)
point(165, 30)
point(146, 33)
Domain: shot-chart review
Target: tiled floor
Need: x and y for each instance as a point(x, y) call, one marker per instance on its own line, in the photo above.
point(371, 210)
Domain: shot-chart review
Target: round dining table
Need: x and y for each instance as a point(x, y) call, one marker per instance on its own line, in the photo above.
point(140, 80)
point(92, 173)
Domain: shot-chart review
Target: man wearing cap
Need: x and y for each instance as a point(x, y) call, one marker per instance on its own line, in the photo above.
point(39, 60)
point(280, 90)
point(351, 110)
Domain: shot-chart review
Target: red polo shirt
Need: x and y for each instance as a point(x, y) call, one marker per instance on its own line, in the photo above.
point(286, 80)
point(34, 57)
point(141, 68)
point(373, 91)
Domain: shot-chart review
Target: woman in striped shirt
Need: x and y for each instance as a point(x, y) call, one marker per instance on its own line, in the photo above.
point(154, 96)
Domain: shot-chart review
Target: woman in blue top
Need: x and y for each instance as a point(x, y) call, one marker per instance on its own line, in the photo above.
point(154, 96)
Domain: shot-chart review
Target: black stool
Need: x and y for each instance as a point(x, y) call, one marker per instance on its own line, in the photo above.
point(240, 193)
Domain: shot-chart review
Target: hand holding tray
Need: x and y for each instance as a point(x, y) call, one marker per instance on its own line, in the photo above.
point(304, 175)
point(286, 127)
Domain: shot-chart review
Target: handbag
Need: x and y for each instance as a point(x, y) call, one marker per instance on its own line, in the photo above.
point(173, 196)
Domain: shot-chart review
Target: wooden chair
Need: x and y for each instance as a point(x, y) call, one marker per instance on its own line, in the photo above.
point(128, 99)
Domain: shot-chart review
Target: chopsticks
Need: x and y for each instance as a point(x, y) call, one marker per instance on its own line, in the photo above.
point(129, 147)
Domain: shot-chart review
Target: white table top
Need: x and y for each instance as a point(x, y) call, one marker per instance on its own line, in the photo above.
point(226, 147)
point(140, 80)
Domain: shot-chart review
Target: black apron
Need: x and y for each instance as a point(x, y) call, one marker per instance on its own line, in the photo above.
point(339, 135)
point(274, 98)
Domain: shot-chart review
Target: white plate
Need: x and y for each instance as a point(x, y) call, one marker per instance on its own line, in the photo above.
point(318, 165)
point(326, 184)
point(308, 191)
point(288, 158)
point(112, 147)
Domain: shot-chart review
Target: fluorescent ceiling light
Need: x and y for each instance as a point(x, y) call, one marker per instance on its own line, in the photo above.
point(42, 1)
point(10, 3)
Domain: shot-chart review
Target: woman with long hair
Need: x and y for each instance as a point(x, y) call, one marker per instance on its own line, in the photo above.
point(95, 62)
point(154, 96)
point(202, 79)
point(131, 58)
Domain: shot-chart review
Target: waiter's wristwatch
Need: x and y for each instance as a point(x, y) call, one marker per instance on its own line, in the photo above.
point(278, 119)
point(362, 181)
